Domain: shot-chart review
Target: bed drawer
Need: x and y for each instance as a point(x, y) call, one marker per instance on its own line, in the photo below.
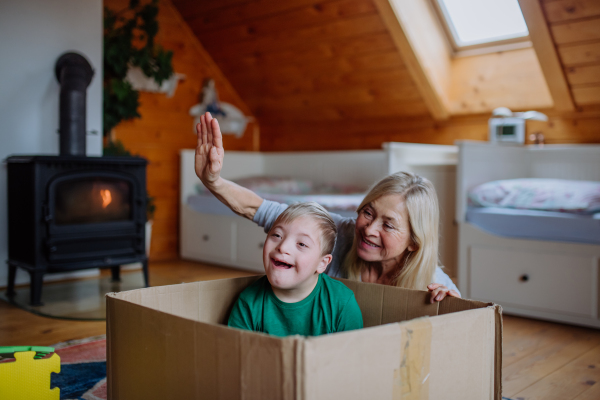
point(559, 283)
point(206, 237)
point(249, 245)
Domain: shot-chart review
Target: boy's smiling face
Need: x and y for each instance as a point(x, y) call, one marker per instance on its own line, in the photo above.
point(292, 258)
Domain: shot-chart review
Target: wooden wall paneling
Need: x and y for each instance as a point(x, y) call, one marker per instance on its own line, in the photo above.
point(577, 31)
point(206, 19)
point(166, 126)
point(330, 67)
point(418, 39)
point(202, 66)
point(583, 74)
point(302, 62)
point(370, 134)
point(187, 7)
point(316, 14)
point(575, 26)
point(579, 127)
point(546, 53)
point(319, 115)
point(511, 79)
point(337, 82)
point(564, 10)
point(580, 53)
point(574, 127)
point(279, 86)
point(587, 95)
point(339, 97)
point(333, 30)
point(314, 51)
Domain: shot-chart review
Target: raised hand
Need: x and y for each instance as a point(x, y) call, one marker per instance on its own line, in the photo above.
point(209, 150)
point(439, 292)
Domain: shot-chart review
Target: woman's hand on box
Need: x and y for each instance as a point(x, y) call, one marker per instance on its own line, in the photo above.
point(209, 150)
point(439, 292)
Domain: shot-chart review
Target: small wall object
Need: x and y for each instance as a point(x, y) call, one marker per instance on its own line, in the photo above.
point(508, 127)
point(139, 81)
point(537, 138)
point(25, 373)
point(231, 119)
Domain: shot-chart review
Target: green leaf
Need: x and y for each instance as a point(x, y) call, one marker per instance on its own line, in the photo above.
point(121, 101)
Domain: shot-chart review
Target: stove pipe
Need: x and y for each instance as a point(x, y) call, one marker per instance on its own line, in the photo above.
point(74, 73)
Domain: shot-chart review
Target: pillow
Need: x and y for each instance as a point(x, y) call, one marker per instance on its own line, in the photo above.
point(539, 194)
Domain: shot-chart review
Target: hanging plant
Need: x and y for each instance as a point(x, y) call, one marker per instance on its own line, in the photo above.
point(129, 42)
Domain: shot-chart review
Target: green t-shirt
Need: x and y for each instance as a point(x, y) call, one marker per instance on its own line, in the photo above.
point(330, 307)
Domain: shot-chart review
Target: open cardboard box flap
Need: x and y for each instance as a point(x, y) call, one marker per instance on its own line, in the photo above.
point(170, 342)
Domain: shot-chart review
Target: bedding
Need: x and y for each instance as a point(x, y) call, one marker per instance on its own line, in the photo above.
point(290, 186)
point(537, 225)
point(337, 198)
point(553, 195)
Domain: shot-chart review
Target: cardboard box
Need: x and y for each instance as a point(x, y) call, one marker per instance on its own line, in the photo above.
point(169, 343)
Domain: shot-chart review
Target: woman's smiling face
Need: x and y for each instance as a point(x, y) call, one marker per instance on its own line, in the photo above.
point(383, 231)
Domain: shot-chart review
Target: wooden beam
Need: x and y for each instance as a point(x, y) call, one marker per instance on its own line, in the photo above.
point(547, 54)
point(396, 21)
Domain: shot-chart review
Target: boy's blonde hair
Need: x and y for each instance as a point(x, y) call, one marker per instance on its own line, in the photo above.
point(417, 267)
point(316, 211)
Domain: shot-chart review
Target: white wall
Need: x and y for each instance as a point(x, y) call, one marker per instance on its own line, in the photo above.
point(33, 34)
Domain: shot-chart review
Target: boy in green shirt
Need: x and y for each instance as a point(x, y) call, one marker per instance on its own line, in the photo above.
point(295, 297)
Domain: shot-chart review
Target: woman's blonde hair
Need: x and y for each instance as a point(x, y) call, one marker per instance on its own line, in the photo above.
point(314, 210)
point(417, 267)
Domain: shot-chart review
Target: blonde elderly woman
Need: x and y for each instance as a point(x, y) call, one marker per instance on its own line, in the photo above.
point(393, 240)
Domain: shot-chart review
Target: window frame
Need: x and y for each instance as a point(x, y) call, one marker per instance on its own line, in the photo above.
point(457, 50)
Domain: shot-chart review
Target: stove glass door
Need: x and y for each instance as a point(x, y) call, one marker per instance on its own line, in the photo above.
point(92, 200)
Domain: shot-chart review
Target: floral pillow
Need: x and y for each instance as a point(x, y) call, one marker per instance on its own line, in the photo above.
point(539, 194)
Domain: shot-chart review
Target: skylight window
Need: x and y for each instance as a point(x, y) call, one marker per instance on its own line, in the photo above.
point(477, 22)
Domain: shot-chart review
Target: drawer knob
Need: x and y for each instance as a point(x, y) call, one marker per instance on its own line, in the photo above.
point(524, 278)
point(205, 238)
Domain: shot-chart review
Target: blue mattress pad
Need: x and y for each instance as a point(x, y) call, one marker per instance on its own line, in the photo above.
point(536, 225)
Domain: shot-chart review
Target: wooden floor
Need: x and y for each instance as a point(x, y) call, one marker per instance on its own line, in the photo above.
point(541, 360)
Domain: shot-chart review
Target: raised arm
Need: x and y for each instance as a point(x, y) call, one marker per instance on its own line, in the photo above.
point(208, 165)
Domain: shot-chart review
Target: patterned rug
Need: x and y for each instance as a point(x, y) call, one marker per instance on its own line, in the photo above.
point(82, 369)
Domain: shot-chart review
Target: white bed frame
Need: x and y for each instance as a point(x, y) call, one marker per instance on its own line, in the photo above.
point(556, 281)
point(236, 242)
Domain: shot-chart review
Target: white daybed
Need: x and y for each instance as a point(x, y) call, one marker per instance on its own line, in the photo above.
point(540, 277)
point(210, 232)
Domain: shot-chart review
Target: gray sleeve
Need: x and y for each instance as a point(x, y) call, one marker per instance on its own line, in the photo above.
point(441, 277)
point(343, 243)
point(267, 213)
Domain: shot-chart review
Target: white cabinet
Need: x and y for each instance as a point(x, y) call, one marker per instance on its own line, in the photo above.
point(219, 239)
point(208, 238)
point(548, 280)
point(545, 282)
point(250, 242)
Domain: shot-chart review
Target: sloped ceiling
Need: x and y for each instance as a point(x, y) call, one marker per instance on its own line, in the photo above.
point(330, 74)
point(575, 27)
point(306, 61)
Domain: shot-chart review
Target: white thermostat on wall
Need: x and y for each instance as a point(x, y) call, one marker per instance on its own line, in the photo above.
point(511, 130)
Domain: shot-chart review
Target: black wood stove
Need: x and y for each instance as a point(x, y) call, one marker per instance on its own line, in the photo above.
point(72, 212)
